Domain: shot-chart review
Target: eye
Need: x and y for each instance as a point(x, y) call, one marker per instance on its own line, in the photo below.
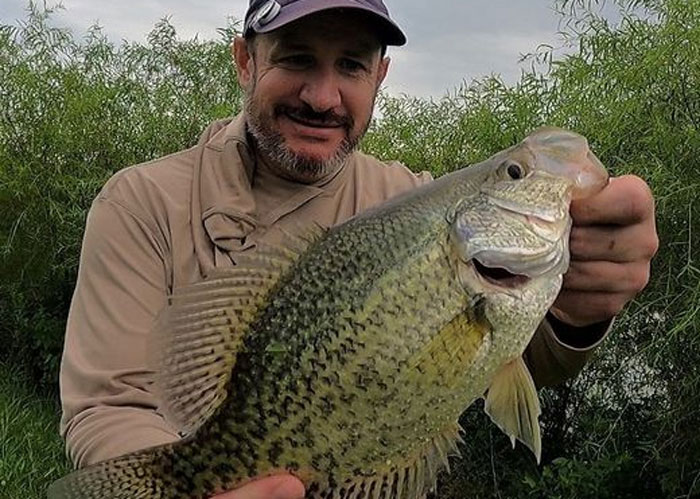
point(351, 66)
point(515, 171)
point(297, 60)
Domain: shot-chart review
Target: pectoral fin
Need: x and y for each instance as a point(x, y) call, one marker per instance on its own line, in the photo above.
point(513, 404)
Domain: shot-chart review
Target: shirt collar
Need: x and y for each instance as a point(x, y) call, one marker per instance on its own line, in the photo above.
point(225, 176)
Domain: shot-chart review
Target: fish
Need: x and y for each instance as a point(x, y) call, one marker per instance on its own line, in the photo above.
point(345, 356)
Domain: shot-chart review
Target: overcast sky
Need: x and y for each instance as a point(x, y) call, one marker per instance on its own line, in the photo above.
point(448, 41)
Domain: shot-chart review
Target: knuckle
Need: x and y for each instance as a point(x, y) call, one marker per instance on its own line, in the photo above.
point(613, 306)
point(652, 245)
point(577, 242)
point(576, 275)
point(635, 208)
point(640, 278)
point(637, 186)
point(640, 200)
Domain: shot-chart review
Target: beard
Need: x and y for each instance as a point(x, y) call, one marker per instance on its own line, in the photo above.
point(292, 165)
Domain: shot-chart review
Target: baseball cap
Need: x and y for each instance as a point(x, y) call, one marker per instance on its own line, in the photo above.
point(267, 15)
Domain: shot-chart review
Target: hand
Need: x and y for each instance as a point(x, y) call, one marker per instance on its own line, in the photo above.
point(273, 487)
point(613, 239)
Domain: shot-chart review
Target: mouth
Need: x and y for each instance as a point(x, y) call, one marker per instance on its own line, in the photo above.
point(312, 123)
point(498, 276)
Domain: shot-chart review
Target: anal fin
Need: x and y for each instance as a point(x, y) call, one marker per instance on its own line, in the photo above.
point(134, 476)
point(411, 478)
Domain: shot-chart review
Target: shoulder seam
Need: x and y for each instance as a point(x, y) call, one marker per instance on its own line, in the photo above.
point(160, 159)
point(128, 210)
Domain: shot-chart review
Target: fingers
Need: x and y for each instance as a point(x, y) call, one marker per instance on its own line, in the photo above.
point(274, 487)
point(607, 277)
point(614, 243)
point(613, 240)
point(596, 291)
point(583, 308)
point(625, 200)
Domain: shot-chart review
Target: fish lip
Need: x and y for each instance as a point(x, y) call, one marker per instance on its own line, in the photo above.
point(531, 213)
point(498, 276)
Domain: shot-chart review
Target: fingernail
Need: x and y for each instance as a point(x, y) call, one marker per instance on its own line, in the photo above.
point(290, 488)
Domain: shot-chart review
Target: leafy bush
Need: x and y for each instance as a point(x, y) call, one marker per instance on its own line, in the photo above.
point(626, 427)
point(632, 88)
point(72, 114)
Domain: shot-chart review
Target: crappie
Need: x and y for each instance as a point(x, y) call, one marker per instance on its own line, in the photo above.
point(347, 357)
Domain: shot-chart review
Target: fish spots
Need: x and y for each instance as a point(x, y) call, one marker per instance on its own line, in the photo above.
point(287, 403)
point(332, 379)
point(327, 404)
point(274, 452)
point(304, 431)
point(223, 468)
point(293, 443)
point(324, 461)
point(383, 440)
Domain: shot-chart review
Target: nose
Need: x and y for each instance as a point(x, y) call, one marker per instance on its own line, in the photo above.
point(321, 91)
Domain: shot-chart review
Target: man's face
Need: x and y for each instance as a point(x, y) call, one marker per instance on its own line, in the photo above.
point(310, 90)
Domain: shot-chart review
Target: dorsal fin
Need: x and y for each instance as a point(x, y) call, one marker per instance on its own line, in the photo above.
point(201, 331)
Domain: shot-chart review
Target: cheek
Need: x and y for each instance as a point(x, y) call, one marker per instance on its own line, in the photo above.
point(359, 103)
point(273, 88)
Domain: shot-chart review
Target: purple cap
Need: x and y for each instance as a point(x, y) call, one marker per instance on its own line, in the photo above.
point(267, 15)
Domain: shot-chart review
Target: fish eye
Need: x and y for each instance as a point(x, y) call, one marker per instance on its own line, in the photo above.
point(515, 171)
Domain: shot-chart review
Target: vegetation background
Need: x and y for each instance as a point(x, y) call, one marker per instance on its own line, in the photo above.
point(75, 110)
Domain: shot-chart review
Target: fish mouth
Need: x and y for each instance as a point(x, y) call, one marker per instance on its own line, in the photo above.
point(499, 276)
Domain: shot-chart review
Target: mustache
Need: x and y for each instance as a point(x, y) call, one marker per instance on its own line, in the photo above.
point(306, 113)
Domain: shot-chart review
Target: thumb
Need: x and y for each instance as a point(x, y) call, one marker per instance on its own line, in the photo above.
point(273, 487)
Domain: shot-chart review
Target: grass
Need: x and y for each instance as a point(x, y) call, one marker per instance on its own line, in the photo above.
point(31, 451)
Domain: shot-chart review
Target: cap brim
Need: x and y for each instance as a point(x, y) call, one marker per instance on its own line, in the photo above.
point(391, 34)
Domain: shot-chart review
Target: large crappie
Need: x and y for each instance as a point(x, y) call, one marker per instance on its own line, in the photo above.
point(348, 362)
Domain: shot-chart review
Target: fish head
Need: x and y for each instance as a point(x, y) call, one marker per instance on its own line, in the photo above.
point(511, 233)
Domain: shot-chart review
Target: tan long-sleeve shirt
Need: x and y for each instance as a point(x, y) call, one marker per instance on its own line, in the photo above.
point(161, 225)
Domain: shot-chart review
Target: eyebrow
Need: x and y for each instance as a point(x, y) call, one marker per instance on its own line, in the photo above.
point(364, 48)
point(288, 43)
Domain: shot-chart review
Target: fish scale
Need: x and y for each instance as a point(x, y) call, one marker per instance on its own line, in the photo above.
point(346, 357)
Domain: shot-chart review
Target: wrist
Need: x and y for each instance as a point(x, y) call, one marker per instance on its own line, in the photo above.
point(578, 337)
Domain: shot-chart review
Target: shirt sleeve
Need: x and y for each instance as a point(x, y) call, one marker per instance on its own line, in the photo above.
point(557, 353)
point(108, 409)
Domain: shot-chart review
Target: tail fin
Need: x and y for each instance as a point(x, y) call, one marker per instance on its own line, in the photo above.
point(133, 476)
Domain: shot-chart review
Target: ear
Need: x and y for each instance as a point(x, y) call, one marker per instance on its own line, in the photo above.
point(383, 70)
point(243, 59)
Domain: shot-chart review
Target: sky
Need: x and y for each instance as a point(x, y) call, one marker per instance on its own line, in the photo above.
point(448, 41)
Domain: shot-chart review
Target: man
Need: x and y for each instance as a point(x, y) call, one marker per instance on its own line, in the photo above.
point(311, 70)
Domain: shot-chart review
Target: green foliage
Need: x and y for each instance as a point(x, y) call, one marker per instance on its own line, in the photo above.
point(460, 129)
point(31, 452)
point(75, 111)
point(628, 426)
